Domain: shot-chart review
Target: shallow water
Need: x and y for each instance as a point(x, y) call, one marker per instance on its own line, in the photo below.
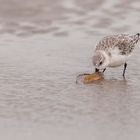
point(44, 45)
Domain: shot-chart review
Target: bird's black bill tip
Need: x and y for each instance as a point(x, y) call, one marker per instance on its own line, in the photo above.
point(96, 70)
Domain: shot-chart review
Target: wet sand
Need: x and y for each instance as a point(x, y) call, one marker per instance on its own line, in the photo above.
point(44, 45)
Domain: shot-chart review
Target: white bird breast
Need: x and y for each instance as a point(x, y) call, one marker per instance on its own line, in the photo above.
point(117, 59)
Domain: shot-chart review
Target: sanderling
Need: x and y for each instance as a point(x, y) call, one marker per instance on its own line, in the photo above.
point(114, 50)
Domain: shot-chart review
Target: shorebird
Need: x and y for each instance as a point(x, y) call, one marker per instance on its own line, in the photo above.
point(114, 51)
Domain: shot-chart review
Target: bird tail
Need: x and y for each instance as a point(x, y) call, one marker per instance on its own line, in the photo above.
point(138, 34)
point(135, 39)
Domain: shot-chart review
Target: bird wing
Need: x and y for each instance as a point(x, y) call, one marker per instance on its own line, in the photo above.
point(123, 42)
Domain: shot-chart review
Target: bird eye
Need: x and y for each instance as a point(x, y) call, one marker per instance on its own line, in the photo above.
point(101, 63)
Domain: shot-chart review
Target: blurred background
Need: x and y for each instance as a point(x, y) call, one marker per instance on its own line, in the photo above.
point(64, 17)
point(44, 45)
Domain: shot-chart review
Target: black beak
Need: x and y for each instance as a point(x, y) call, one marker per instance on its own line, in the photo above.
point(96, 70)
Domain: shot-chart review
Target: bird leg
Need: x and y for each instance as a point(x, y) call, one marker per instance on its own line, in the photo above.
point(125, 65)
point(104, 70)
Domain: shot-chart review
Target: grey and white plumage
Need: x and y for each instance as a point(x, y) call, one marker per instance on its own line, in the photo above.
point(114, 50)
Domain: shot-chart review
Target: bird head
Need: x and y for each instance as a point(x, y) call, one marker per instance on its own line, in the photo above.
point(100, 60)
